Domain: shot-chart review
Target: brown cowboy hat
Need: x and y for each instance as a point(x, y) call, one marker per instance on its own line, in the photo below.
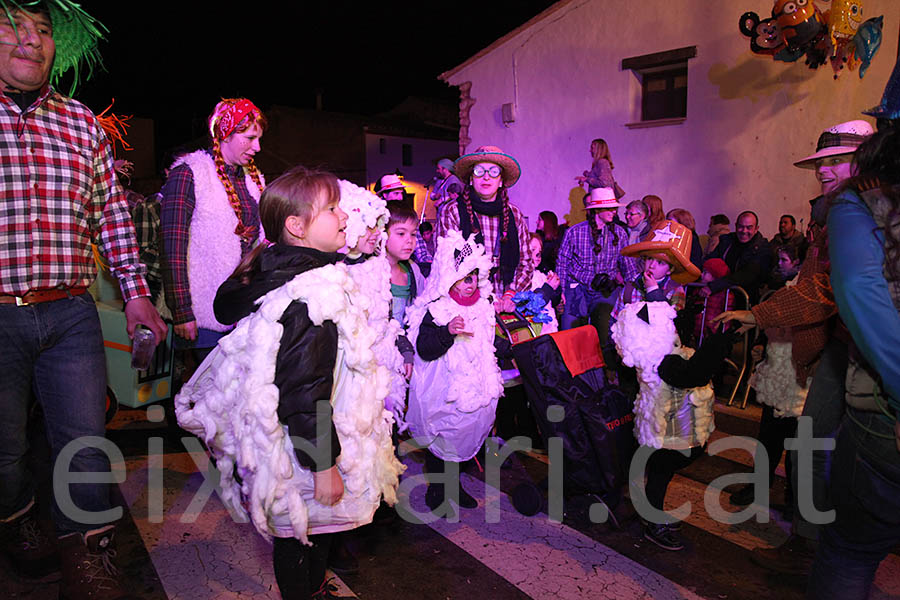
point(492, 154)
point(671, 242)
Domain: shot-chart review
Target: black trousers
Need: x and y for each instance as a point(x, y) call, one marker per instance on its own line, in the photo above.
point(661, 468)
point(300, 569)
point(772, 433)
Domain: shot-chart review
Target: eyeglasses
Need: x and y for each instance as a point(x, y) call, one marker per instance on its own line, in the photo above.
point(493, 171)
point(634, 214)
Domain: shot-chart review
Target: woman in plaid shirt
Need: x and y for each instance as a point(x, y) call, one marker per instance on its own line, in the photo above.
point(590, 265)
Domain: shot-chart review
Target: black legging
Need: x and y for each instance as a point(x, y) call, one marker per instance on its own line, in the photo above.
point(300, 569)
point(661, 468)
point(772, 433)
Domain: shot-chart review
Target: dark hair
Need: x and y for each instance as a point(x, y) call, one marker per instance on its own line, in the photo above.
point(791, 217)
point(401, 212)
point(297, 193)
point(877, 162)
point(720, 219)
point(683, 216)
point(595, 231)
point(793, 252)
point(748, 212)
point(551, 225)
point(425, 226)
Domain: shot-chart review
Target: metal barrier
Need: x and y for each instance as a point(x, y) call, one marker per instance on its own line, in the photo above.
point(743, 371)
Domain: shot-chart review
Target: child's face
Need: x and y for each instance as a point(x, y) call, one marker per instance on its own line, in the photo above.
point(657, 268)
point(466, 286)
point(401, 240)
point(786, 265)
point(325, 230)
point(706, 277)
point(534, 248)
point(368, 241)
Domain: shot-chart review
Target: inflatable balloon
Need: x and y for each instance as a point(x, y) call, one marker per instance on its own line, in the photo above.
point(867, 42)
point(765, 36)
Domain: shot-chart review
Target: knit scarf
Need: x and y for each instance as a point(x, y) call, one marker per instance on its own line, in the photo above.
point(508, 249)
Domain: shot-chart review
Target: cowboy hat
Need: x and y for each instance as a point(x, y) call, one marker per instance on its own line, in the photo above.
point(668, 241)
point(601, 198)
point(492, 154)
point(390, 182)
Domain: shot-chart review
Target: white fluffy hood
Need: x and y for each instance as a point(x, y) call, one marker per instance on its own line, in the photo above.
point(364, 209)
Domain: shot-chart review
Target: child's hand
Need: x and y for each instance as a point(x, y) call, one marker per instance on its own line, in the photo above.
point(505, 304)
point(457, 326)
point(329, 487)
point(553, 280)
point(649, 282)
point(757, 353)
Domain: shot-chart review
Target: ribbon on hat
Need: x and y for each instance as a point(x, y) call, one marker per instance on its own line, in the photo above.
point(832, 140)
point(227, 116)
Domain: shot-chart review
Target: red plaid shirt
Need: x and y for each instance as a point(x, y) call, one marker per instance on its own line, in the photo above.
point(58, 193)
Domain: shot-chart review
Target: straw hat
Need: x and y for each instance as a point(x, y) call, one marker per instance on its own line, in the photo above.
point(492, 154)
point(671, 242)
point(844, 138)
point(600, 198)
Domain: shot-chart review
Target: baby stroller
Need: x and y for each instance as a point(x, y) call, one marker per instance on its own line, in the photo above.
point(564, 381)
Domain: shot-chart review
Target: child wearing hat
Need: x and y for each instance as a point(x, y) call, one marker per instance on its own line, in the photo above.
point(713, 268)
point(663, 271)
point(456, 382)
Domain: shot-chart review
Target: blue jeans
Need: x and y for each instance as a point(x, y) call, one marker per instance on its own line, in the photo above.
point(55, 350)
point(865, 491)
point(580, 301)
point(825, 404)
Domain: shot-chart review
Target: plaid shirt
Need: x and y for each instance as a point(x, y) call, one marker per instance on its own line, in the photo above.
point(578, 263)
point(175, 225)
point(58, 194)
point(145, 215)
point(490, 227)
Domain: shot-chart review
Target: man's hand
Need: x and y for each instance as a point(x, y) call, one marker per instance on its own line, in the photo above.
point(329, 487)
point(745, 317)
point(187, 330)
point(140, 311)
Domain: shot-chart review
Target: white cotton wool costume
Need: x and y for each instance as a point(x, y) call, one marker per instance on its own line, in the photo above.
point(373, 278)
point(214, 250)
point(664, 416)
point(231, 403)
point(453, 400)
point(775, 379)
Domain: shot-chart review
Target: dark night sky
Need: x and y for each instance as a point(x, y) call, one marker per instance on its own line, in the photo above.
point(172, 61)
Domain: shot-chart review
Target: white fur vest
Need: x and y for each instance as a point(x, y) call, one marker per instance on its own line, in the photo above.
point(214, 251)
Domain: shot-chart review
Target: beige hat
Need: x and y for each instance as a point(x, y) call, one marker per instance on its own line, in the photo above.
point(600, 198)
point(492, 154)
point(844, 138)
point(671, 242)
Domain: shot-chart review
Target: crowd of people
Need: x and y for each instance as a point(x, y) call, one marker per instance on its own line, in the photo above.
point(337, 322)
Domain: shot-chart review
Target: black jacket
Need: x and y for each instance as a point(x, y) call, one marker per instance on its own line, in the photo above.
point(304, 366)
point(750, 263)
point(435, 340)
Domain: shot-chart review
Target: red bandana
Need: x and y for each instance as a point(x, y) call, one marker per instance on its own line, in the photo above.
point(226, 117)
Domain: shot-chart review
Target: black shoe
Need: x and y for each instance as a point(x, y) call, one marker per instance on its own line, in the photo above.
point(327, 591)
point(31, 552)
point(742, 497)
point(434, 496)
point(466, 500)
point(341, 560)
point(663, 537)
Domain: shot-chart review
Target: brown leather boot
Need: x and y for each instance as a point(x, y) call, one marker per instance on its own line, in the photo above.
point(30, 550)
point(793, 557)
point(88, 567)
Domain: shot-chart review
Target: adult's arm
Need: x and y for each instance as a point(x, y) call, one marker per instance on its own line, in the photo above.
point(306, 357)
point(809, 302)
point(447, 219)
point(177, 208)
point(861, 291)
point(563, 257)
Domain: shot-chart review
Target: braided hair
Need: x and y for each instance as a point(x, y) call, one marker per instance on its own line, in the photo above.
point(245, 232)
point(596, 232)
point(467, 195)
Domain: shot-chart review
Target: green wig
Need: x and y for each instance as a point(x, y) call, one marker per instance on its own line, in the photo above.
point(75, 33)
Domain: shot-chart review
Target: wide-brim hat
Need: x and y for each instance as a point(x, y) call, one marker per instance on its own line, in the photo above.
point(390, 182)
point(511, 171)
point(601, 198)
point(669, 241)
point(890, 101)
point(844, 138)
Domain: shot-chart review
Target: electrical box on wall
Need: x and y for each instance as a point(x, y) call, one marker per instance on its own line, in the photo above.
point(508, 112)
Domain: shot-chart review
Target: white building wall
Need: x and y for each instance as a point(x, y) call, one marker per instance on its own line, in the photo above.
point(425, 153)
point(748, 117)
